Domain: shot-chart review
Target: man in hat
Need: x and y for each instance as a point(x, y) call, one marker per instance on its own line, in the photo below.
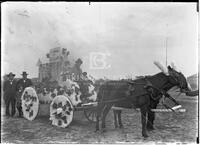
point(9, 89)
point(24, 81)
point(21, 85)
point(76, 69)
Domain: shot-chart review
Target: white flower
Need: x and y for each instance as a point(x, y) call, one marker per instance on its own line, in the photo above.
point(59, 110)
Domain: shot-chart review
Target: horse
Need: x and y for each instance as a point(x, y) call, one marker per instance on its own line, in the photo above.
point(154, 101)
point(137, 94)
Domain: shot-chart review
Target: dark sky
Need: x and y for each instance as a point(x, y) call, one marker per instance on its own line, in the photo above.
point(132, 35)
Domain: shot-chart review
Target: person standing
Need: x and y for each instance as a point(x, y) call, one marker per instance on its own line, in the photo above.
point(76, 69)
point(21, 85)
point(9, 88)
point(24, 81)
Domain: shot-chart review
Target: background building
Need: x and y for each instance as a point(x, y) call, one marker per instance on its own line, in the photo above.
point(55, 63)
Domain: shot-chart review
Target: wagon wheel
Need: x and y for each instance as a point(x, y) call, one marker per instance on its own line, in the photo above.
point(91, 114)
point(30, 103)
point(61, 111)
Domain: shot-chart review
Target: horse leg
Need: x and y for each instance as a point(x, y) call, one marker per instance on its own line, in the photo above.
point(119, 118)
point(151, 117)
point(99, 112)
point(105, 112)
point(115, 112)
point(97, 122)
point(143, 110)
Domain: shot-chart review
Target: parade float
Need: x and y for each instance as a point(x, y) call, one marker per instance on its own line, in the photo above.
point(61, 89)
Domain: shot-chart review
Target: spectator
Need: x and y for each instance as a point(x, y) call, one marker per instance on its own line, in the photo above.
point(9, 89)
point(21, 85)
point(24, 81)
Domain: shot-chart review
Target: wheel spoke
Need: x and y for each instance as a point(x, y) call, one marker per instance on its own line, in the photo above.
point(93, 116)
point(89, 114)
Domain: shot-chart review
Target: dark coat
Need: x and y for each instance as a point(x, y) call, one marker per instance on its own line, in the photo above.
point(10, 88)
point(24, 83)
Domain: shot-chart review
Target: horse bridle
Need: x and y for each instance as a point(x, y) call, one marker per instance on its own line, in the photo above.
point(147, 85)
point(163, 93)
point(180, 83)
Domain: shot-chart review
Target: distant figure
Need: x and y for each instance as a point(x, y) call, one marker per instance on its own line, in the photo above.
point(9, 89)
point(18, 100)
point(24, 81)
point(21, 85)
point(84, 76)
point(76, 69)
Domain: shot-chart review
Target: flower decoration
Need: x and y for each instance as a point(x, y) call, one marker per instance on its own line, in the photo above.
point(30, 103)
point(61, 111)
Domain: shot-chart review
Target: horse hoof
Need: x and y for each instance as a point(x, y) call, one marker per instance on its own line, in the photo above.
point(96, 131)
point(150, 129)
point(121, 126)
point(145, 135)
point(103, 130)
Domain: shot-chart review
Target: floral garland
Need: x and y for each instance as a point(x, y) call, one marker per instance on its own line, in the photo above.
point(30, 103)
point(79, 92)
point(61, 111)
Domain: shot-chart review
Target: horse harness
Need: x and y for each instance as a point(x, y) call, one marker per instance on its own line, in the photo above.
point(150, 88)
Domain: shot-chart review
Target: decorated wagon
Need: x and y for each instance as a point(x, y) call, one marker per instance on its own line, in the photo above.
point(60, 100)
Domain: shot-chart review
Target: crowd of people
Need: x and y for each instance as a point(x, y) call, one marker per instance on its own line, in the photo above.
point(10, 89)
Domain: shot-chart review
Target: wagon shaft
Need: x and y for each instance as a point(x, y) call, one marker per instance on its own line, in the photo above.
point(168, 110)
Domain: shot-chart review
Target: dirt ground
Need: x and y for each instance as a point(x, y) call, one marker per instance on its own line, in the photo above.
point(170, 127)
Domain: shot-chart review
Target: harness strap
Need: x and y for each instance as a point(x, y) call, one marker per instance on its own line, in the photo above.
point(146, 85)
point(149, 84)
point(171, 98)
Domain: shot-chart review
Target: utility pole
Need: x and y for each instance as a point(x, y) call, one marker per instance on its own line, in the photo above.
point(166, 49)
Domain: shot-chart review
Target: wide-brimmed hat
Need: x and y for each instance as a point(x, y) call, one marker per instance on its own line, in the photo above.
point(24, 73)
point(11, 74)
point(79, 61)
point(84, 73)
